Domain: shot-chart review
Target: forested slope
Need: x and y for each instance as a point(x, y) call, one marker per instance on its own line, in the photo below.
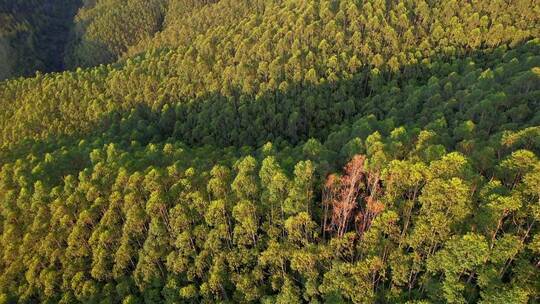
point(278, 152)
point(105, 29)
point(33, 35)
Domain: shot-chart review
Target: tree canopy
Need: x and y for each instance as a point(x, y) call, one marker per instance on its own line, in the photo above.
point(270, 151)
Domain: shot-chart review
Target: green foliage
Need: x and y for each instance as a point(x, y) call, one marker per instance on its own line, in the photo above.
point(34, 35)
point(105, 29)
point(205, 164)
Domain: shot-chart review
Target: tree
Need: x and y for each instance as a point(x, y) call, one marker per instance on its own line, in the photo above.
point(301, 193)
point(245, 183)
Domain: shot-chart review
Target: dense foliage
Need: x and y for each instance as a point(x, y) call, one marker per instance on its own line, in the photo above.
point(278, 152)
point(104, 29)
point(33, 35)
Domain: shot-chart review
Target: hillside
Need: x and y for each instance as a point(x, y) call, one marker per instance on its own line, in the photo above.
point(273, 151)
point(34, 35)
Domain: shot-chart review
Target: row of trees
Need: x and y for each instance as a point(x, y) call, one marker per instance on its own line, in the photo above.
point(404, 221)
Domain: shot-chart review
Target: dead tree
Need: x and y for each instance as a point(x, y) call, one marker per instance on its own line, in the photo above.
point(351, 198)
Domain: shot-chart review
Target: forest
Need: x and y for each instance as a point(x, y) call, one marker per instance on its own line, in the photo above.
point(269, 151)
